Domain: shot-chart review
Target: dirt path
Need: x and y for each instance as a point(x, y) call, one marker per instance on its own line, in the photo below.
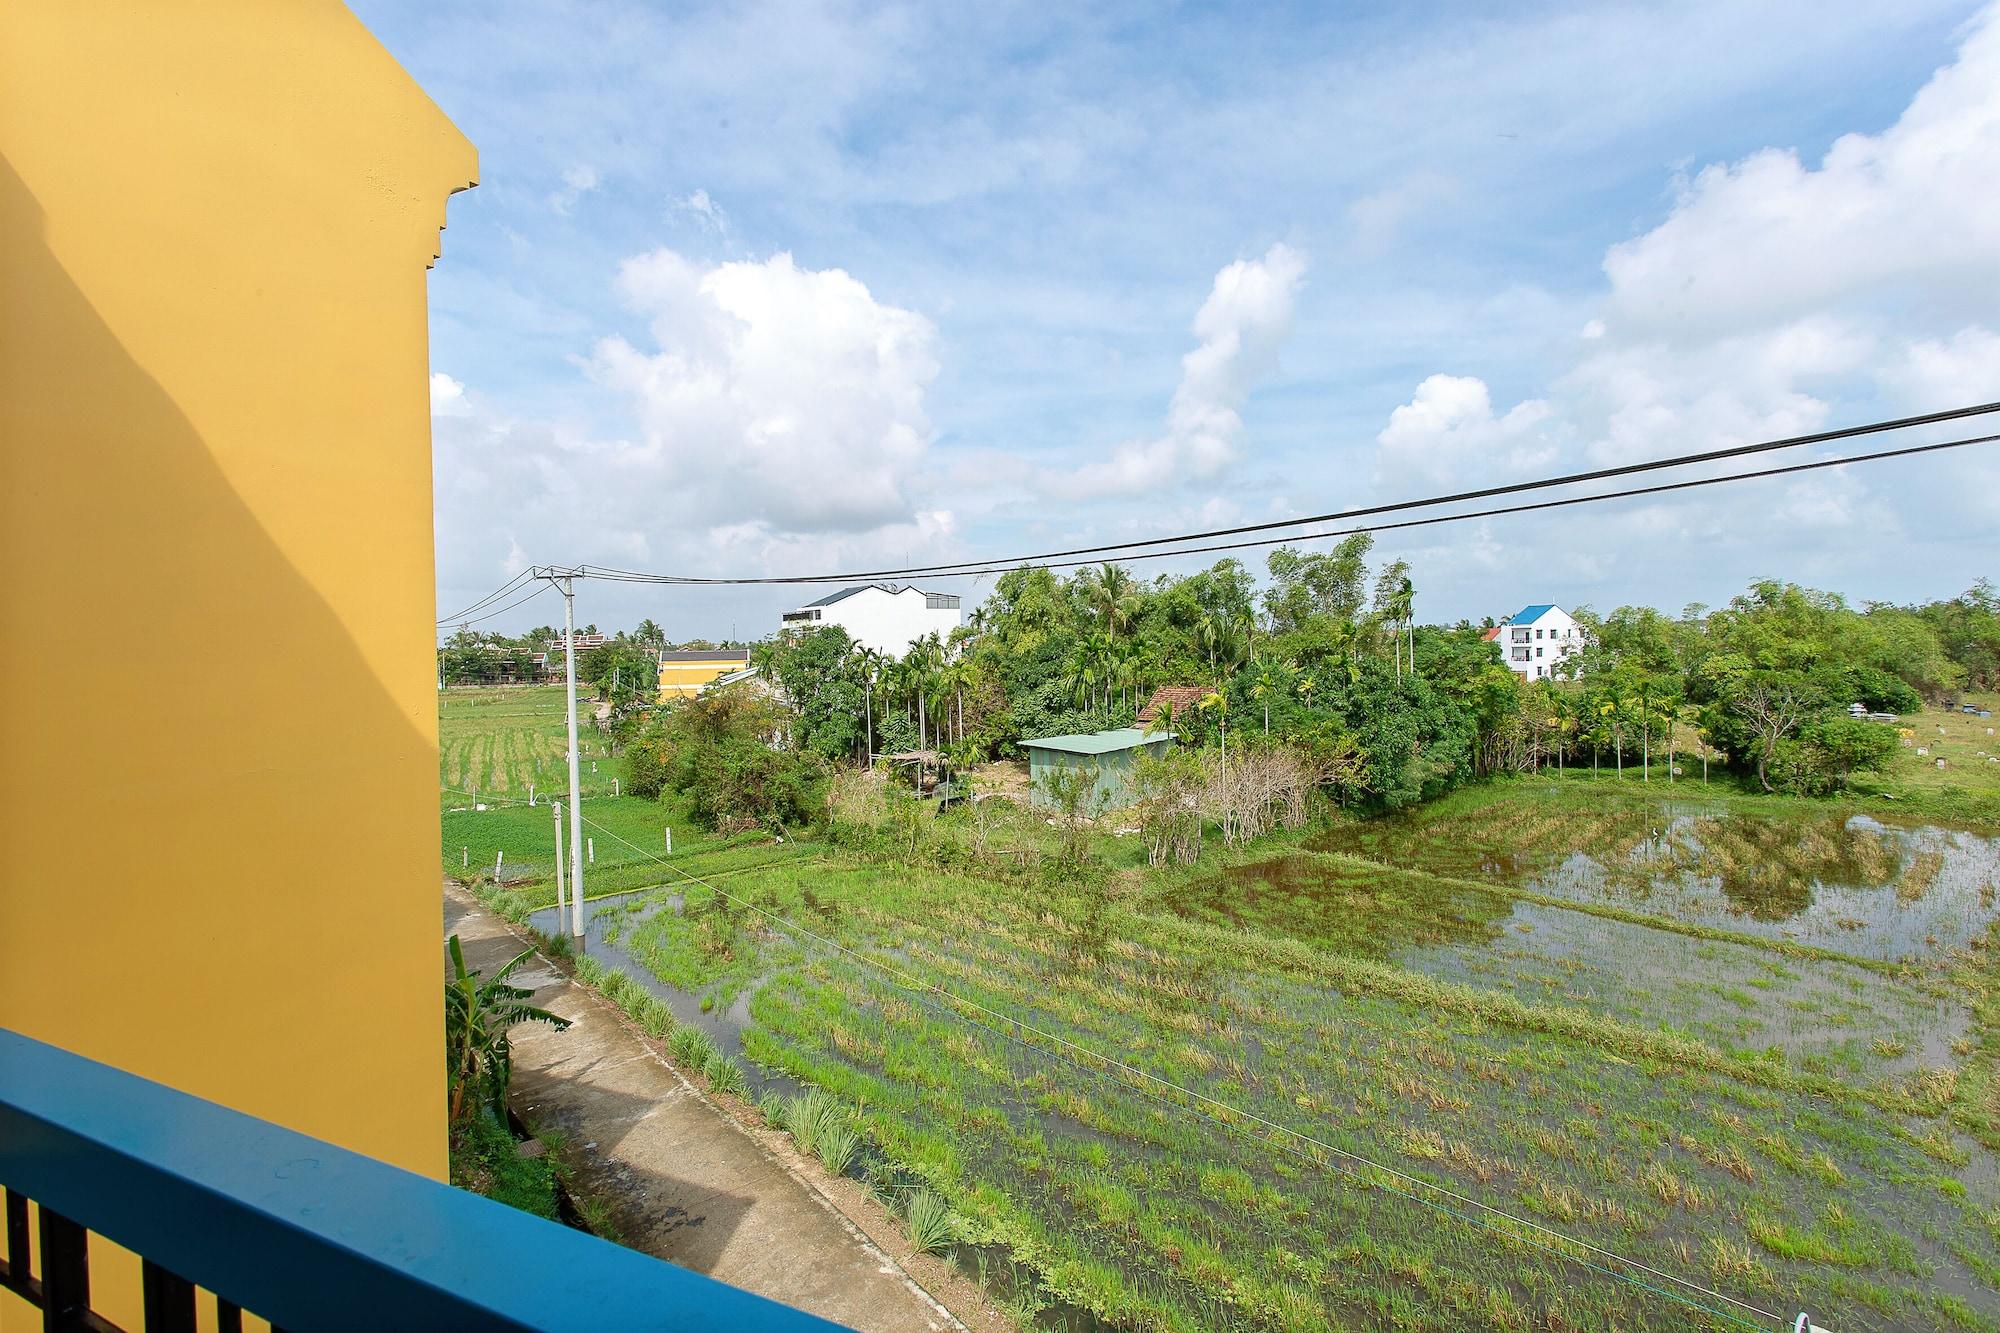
point(681, 1180)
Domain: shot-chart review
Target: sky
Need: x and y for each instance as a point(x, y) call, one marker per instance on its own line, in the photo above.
point(795, 288)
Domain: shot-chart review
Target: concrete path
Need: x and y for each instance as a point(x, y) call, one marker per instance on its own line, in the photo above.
point(678, 1177)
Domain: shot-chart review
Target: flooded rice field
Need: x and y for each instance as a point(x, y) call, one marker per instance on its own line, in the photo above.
point(1846, 882)
point(1351, 1084)
point(1824, 1015)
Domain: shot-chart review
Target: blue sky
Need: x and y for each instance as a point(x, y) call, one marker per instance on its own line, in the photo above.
point(775, 288)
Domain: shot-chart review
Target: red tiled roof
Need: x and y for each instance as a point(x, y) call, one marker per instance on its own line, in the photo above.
point(1493, 633)
point(1179, 697)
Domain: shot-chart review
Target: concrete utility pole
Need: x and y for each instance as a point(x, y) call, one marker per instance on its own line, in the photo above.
point(556, 810)
point(577, 785)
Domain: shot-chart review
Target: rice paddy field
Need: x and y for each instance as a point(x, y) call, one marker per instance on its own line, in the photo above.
point(1544, 1055)
point(495, 743)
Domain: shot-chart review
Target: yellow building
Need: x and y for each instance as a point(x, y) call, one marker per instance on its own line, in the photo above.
point(685, 672)
point(220, 866)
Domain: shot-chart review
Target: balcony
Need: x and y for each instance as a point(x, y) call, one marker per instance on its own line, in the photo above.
point(303, 1233)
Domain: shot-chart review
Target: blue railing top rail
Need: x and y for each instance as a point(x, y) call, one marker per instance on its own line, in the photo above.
point(310, 1235)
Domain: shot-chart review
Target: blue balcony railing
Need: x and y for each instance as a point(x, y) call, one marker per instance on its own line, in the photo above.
point(304, 1234)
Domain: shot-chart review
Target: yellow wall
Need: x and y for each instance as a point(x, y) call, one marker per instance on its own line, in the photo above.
point(218, 837)
point(681, 679)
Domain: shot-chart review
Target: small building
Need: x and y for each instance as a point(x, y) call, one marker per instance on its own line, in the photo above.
point(1109, 754)
point(881, 616)
point(686, 672)
point(1537, 639)
point(1171, 701)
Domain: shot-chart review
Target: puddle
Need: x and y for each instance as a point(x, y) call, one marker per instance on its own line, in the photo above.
point(608, 926)
point(1832, 1017)
point(1851, 883)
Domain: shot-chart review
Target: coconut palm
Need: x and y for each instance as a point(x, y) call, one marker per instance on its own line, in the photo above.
point(1112, 595)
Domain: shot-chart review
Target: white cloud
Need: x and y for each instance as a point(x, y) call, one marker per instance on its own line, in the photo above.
point(778, 424)
point(447, 396)
point(577, 181)
point(777, 396)
point(704, 211)
point(1774, 299)
point(1938, 373)
point(1892, 217)
point(1448, 436)
point(1242, 325)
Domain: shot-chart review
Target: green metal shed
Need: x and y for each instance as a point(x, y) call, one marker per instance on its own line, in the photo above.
point(1110, 754)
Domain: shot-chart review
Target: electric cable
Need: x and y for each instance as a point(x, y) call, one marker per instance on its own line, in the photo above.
point(490, 615)
point(671, 580)
point(505, 588)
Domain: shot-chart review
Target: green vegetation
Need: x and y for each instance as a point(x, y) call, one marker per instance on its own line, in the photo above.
point(494, 744)
point(1707, 1102)
point(484, 1160)
point(1322, 1032)
point(478, 1062)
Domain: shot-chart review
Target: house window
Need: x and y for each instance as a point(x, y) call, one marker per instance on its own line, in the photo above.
point(940, 601)
point(1538, 652)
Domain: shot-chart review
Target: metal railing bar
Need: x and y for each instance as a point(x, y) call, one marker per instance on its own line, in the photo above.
point(14, 1274)
point(65, 1272)
point(169, 1300)
point(294, 1227)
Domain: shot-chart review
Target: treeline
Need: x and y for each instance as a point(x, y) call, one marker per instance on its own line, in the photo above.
point(1326, 658)
point(624, 668)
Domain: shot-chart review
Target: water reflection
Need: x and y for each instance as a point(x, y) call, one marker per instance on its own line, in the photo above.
point(1852, 883)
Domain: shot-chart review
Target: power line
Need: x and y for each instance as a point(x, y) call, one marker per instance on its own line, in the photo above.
point(490, 615)
point(499, 592)
point(626, 576)
point(1488, 492)
point(1225, 1114)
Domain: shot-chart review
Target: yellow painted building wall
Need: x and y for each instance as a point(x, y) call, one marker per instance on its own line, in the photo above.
point(218, 831)
point(682, 680)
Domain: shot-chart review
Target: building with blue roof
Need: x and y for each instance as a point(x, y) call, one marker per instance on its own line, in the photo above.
point(1538, 640)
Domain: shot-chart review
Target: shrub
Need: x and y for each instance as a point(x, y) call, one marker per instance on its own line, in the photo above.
point(1881, 692)
point(837, 1147)
point(725, 1075)
point(934, 1227)
point(692, 1048)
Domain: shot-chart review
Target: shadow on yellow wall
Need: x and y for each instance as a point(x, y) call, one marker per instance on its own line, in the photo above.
point(219, 824)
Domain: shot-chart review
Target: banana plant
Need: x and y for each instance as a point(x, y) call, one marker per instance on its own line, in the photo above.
point(477, 1016)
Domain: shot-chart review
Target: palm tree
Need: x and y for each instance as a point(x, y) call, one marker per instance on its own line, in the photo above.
point(477, 1016)
point(1219, 702)
point(1125, 669)
point(1112, 594)
point(1270, 680)
point(1084, 669)
point(871, 663)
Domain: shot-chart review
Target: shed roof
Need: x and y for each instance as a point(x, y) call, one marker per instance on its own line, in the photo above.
point(1179, 698)
point(1528, 615)
point(1099, 742)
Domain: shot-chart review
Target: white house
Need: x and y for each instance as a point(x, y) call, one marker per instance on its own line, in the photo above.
point(1535, 639)
point(881, 615)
